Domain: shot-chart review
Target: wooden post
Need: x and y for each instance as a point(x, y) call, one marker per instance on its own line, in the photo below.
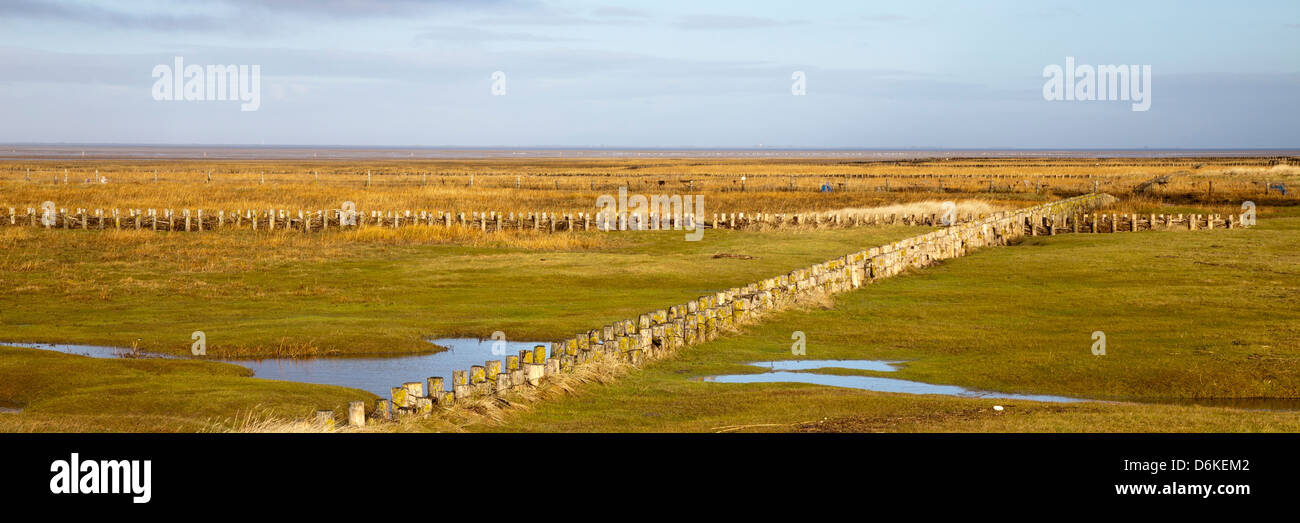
point(357, 413)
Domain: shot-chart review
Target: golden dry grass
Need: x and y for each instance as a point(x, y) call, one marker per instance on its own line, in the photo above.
point(542, 185)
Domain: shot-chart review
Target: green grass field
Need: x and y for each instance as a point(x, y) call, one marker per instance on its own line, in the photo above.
point(317, 295)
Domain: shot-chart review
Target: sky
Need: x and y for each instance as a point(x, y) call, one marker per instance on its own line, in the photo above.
point(666, 73)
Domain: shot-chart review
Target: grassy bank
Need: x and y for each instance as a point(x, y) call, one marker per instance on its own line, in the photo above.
point(66, 393)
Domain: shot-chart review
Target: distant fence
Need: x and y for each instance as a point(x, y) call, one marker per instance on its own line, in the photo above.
point(658, 333)
point(200, 220)
point(322, 220)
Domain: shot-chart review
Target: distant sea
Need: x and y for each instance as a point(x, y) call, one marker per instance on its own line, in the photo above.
point(253, 152)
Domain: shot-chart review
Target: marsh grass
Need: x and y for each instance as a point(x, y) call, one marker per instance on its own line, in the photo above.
point(550, 185)
point(1203, 314)
point(381, 292)
point(985, 321)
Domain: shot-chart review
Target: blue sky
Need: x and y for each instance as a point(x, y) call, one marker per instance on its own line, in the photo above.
point(653, 74)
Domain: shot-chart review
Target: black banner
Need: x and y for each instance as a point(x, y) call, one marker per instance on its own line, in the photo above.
point(164, 471)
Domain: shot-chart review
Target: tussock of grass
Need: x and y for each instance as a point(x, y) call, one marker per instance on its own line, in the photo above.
point(261, 420)
point(963, 207)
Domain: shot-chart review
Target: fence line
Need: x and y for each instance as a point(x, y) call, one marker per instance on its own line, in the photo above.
point(199, 220)
point(323, 220)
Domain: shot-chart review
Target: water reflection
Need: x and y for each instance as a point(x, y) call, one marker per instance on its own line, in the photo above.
point(780, 374)
point(376, 375)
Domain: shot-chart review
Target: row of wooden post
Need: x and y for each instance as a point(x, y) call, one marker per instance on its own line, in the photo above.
point(1039, 225)
point(321, 220)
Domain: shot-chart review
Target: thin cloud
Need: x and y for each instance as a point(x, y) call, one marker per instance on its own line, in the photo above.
point(542, 15)
point(223, 15)
point(697, 22)
point(465, 34)
point(100, 16)
point(619, 12)
point(368, 8)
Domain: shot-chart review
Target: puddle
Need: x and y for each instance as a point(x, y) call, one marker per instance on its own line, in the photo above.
point(877, 365)
point(85, 350)
point(376, 375)
point(780, 374)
